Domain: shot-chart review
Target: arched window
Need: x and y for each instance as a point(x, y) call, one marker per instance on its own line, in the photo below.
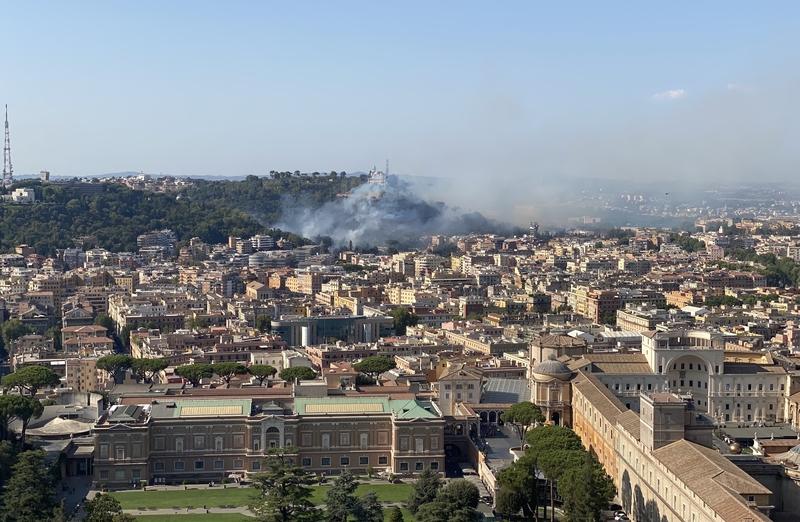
point(363, 440)
point(256, 445)
point(218, 444)
point(178, 444)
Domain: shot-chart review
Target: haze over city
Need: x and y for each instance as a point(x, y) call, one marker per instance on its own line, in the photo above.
point(513, 93)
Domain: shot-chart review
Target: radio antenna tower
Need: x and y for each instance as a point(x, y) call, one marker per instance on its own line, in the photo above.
point(387, 167)
point(8, 169)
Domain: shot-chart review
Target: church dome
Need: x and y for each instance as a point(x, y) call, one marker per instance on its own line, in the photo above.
point(550, 368)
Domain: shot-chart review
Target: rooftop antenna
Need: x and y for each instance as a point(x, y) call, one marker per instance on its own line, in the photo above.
point(8, 169)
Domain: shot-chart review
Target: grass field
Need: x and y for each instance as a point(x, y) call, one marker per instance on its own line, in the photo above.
point(216, 497)
point(196, 498)
point(216, 517)
point(386, 492)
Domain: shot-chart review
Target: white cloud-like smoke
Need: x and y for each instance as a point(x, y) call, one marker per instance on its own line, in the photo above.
point(670, 95)
point(372, 215)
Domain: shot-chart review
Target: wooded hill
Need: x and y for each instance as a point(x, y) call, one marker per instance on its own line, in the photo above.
point(63, 217)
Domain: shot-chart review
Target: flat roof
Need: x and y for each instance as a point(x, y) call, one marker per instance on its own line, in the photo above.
point(201, 408)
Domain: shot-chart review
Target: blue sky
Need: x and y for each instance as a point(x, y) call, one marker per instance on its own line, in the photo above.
point(500, 90)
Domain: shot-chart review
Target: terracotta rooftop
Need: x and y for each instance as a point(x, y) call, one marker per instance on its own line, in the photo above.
point(713, 478)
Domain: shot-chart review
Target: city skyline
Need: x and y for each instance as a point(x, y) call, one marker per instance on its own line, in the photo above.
point(516, 92)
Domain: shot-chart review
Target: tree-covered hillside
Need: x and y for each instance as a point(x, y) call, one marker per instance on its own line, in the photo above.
point(211, 210)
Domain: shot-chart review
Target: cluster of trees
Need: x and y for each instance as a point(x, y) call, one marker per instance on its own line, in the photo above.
point(402, 319)
point(779, 272)
point(748, 299)
point(687, 242)
point(28, 486)
point(11, 331)
point(195, 373)
point(557, 453)
point(284, 494)
point(285, 491)
point(432, 501)
point(145, 369)
point(113, 218)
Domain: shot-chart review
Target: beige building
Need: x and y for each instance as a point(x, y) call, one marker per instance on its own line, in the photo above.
point(458, 384)
point(665, 476)
point(171, 441)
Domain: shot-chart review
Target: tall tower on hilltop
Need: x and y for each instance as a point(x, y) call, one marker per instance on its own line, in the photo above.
point(8, 169)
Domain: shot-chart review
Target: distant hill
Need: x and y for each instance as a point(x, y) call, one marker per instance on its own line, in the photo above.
point(65, 217)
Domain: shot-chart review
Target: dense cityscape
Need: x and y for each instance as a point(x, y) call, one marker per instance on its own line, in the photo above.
point(632, 350)
point(572, 296)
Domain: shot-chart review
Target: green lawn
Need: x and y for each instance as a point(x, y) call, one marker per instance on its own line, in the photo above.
point(231, 517)
point(407, 516)
point(216, 497)
point(196, 498)
point(386, 492)
point(215, 517)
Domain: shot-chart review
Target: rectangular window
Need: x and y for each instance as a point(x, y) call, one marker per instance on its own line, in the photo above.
point(238, 441)
point(103, 473)
point(159, 466)
point(771, 387)
point(446, 386)
point(238, 463)
point(434, 466)
point(305, 439)
point(446, 395)
point(179, 466)
point(199, 464)
point(344, 461)
point(419, 466)
point(660, 369)
point(383, 460)
point(136, 474)
point(136, 450)
point(119, 474)
point(103, 451)
point(419, 445)
point(119, 452)
point(458, 395)
point(158, 443)
point(458, 386)
point(363, 461)
point(326, 461)
point(404, 466)
point(691, 383)
point(219, 464)
point(470, 386)
point(305, 462)
point(470, 395)
point(256, 465)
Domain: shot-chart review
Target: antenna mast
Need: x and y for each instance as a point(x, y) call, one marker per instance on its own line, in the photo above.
point(387, 167)
point(8, 169)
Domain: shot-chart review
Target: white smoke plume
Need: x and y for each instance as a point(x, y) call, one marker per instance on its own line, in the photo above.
point(371, 215)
